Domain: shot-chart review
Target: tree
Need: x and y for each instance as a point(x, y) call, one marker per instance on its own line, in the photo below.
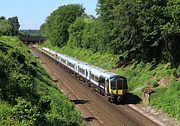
point(94, 35)
point(171, 32)
point(44, 29)
point(105, 11)
point(2, 18)
point(86, 32)
point(76, 32)
point(59, 21)
point(139, 30)
point(147, 30)
point(119, 19)
point(5, 28)
point(15, 23)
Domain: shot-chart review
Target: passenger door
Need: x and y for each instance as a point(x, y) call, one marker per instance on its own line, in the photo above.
point(107, 87)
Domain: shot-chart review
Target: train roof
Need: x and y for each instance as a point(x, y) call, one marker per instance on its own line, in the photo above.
point(61, 55)
point(68, 58)
point(84, 65)
point(94, 69)
point(101, 72)
point(44, 48)
point(49, 50)
point(52, 51)
point(73, 60)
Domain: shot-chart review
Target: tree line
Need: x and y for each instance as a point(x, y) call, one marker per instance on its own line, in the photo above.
point(10, 27)
point(136, 30)
point(31, 36)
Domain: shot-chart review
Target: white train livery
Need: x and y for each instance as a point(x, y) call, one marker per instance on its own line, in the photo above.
point(113, 86)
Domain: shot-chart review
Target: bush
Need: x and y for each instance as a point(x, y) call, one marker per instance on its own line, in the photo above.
point(24, 111)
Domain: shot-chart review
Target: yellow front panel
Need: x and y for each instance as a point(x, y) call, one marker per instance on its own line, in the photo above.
point(120, 92)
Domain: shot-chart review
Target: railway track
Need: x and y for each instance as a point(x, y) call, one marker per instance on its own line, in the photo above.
point(95, 108)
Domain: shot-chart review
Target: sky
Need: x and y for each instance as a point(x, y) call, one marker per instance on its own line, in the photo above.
point(32, 13)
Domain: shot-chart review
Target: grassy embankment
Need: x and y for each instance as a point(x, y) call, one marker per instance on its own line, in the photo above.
point(27, 94)
point(166, 98)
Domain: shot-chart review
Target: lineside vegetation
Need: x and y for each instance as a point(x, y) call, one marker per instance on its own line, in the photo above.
point(138, 39)
point(28, 96)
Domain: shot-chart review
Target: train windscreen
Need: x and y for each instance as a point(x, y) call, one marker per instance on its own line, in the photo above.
point(113, 84)
point(118, 83)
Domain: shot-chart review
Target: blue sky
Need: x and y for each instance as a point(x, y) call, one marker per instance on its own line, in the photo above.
point(32, 13)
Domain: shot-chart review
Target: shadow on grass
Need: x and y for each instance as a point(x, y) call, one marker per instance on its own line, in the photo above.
point(79, 101)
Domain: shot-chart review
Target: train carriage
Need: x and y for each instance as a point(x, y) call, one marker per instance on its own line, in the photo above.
point(50, 53)
point(62, 59)
point(111, 85)
point(72, 64)
point(83, 70)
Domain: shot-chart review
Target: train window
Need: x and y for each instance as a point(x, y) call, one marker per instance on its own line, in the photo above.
point(63, 60)
point(119, 83)
point(113, 84)
point(125, 84)
point(92, 76)
point(96, 78)
point(81, 70)
point(71, 65)
point(101, 80)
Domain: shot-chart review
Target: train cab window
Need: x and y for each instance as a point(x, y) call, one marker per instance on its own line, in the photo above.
point(125, 84)
point(113, 84)
point(119, 83)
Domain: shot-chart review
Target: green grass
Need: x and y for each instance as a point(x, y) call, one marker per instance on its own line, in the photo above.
point(168, 99)
point(28, 96)
point(139, 76)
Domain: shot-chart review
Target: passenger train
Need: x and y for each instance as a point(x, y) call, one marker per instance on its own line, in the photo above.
point(113, 86)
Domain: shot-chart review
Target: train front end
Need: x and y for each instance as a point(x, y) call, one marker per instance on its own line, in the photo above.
point(118, 87)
